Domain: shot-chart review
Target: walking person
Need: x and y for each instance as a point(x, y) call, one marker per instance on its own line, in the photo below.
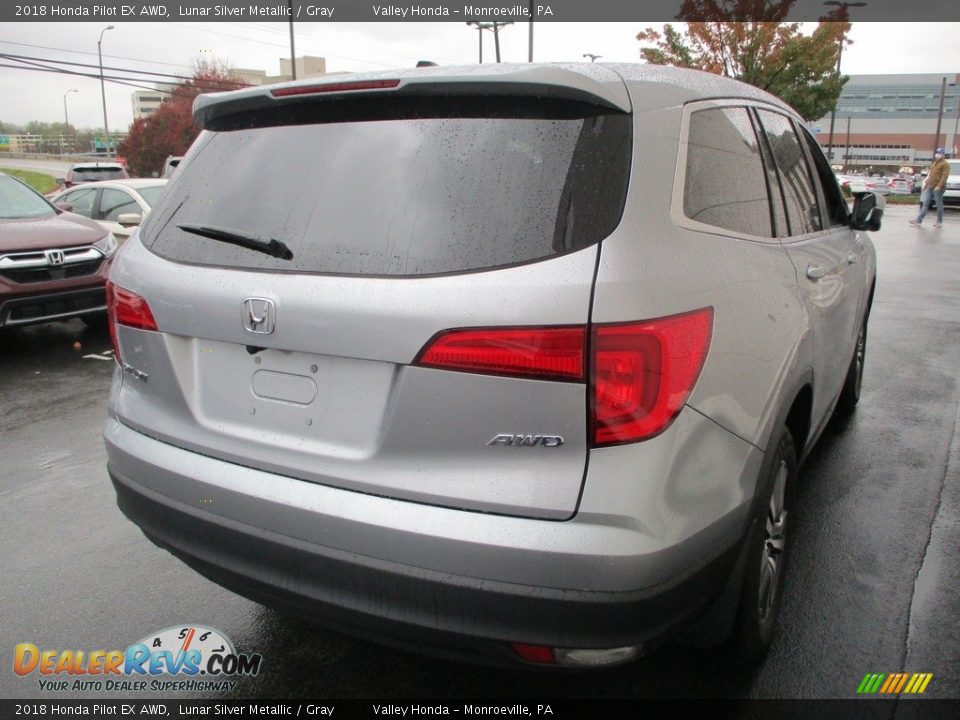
point(933, 187)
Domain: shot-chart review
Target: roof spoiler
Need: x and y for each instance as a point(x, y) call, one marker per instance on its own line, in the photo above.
point(551, 83)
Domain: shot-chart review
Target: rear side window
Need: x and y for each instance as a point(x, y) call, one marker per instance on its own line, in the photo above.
point(803, 211)
point(399, 197)
point(724, 182)
point(113, 203)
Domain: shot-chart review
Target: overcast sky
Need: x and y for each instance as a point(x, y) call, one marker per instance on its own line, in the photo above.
point(173, 47)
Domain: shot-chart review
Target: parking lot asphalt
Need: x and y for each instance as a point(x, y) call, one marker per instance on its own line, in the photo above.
point(872, 586)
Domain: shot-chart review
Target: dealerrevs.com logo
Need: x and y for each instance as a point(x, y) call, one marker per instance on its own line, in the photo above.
point(182, 658)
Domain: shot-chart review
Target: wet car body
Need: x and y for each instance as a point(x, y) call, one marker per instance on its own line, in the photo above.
point(497, 395)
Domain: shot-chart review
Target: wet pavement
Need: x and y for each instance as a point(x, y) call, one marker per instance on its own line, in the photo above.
point(872, 587)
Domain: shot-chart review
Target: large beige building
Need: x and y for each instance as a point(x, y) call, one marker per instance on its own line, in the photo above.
point(884, 122)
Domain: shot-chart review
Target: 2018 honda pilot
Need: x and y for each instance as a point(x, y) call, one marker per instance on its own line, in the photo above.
point(437, 358)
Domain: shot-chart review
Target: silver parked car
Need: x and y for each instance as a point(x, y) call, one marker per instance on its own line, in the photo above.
point(435, 357)
point(118, 205)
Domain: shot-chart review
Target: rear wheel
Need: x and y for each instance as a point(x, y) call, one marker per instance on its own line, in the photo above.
point(762, 591)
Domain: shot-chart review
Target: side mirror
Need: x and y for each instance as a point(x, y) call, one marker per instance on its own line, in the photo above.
point(61, 181)
point(129, 219)
point(867, 211)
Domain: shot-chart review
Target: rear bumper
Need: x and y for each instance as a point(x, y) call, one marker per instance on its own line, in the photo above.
point(445, 581)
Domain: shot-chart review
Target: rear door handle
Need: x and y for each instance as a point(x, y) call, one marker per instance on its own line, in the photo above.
point(814, 272)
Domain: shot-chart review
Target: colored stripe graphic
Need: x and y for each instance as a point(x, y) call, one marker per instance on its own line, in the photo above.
point(871, 683)
point(894, 684)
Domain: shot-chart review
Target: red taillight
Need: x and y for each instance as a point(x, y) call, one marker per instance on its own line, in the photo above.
point(640, 374)
point(335, 87)
point(534, 653)
point(126, 308)
point(554, 353)
point(643, 372)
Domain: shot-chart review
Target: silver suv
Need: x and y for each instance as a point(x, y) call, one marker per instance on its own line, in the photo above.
point(437, 358)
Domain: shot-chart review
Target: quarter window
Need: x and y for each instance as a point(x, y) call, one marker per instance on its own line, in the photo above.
point(803, 211)
point(82, 201)
point(114, 203)
point(724, 180)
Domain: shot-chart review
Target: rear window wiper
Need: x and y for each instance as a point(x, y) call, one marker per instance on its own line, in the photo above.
point(273, 248)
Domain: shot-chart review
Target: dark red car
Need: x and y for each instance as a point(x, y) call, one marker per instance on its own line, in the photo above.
point(53, 264)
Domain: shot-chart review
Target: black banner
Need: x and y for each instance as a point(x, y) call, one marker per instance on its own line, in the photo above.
point(919, 709)
point(460, 11)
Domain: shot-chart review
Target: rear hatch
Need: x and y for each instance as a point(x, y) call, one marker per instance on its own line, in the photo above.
point(321, 269)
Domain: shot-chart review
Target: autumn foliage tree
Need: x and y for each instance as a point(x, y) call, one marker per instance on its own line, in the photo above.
point(749, 40)
point(170, 129)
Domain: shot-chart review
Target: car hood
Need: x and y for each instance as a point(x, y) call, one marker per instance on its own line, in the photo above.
point(57, 231)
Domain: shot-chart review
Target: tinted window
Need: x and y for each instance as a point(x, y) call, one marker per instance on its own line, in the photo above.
point(19, 201)
point(113, 203)
point(400, 197)
point(82, 201)
point(92, 174)
point(150, 194)
point(803, 212)
point(833, 205)
point(724, 183)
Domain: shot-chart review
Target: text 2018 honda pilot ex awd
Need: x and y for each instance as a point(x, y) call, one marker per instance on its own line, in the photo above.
point(437, 358)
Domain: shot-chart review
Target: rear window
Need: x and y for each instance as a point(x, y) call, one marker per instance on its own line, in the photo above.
point(399, 197)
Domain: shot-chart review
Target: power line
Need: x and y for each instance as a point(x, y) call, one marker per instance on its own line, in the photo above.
point(10, 56)
point(84, 52)
point(210, 85)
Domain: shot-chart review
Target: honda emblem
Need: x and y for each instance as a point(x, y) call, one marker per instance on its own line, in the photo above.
point(259, 315)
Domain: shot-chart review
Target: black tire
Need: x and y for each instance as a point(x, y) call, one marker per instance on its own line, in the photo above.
point(850, 394)
point(766, 554)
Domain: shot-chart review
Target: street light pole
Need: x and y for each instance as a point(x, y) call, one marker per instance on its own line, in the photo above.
point(593, 58)
point(103, 91)
point(833, 113)
point(66, 117)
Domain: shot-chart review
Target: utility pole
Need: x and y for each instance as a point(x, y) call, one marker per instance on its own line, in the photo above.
point(846, 159)
point(293, 55)
point(530, 39)
point(833, 113)
point(496, 36)
point(956, 122)
point(495, 26)
point(936, 139)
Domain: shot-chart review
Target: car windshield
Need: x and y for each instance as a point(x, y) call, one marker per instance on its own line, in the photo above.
point(91, 174)
point(19, 201)
point(151, 193)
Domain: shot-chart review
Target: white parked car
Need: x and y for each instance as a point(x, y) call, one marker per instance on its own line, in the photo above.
point(118, 205)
